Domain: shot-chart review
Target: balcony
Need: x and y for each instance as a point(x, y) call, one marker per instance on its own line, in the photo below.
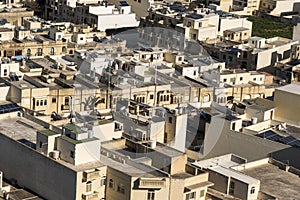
point(88, 176)
point(151, 183)
point(93, 196)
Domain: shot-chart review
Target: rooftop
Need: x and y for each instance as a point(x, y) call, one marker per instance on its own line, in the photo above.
point(276, 182)
point(21, 129)
point(234, 174)
point(71, 140)
point(291, 88)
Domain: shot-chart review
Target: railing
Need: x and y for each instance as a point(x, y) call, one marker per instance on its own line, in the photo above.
point(150, 183)
point(87, 176)
point(93, 196)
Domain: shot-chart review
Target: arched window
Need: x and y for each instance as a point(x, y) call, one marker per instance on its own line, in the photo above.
point(51, 51)
point(28, 52)
point(5, 72)
point(88, 186)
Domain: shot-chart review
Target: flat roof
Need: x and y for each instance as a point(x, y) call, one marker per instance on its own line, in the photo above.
point(20, 129)
point(73, 141)
point(234, 174)
point(48, 132)
point(276, 182)
point(291, 88)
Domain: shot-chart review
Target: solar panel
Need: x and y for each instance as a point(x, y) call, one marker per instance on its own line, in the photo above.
point(7, 108)
point(295, 143)
point(288, 139)
point(275, 137)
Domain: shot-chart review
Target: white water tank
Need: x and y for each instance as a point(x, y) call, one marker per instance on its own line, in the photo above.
point(254, 120)
point(90, 134)
point(153, 144)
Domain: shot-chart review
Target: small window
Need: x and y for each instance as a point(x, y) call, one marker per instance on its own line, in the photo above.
point(42, 103)
point(53, 100)
point(121, 188)
point(72, 155)
point(202, 192)
point(191, 195)
point(67, 101)
point(5, 72)
point(81, 38)
point(37, 103)
point(254, 79)
point(151, 96)
point(51, 51)
point(170, 120)
point(241, 78)
point(88, 186)
point(231, 188)
point(45, 102)
point(103, 181)
point(252, 191)
point(225, 80)
point(151, 195)
point(111, 183)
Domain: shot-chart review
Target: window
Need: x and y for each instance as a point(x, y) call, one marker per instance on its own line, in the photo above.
point(28, 52)
point(5, 72)
point(225, 80)
point(42, 103)
point(252, 191)
point(111, 183)
point(103, 181)
point(37, 103)
point(121, 188)
point(151, 96)
point(52, 51)
point(72, 155)
point(64, 49)
point(202, 192)
point(254, 79)
point(170, 120)
point(231, 188)
point(39, 51)
point(241, 78)
point(53, 100)
point(151, 195)
point(191, 195)
point(67, 101)
point(41, 144)
point(88, 186)
point(81, 38)
point(45, 102)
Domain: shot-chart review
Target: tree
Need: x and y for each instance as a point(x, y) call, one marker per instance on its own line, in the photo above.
point(92, 102)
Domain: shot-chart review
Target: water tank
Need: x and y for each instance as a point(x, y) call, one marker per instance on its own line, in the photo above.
point(55, 154)
point(254, 120)
point(22, 28)
point(90, 134)
point(153, 144)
